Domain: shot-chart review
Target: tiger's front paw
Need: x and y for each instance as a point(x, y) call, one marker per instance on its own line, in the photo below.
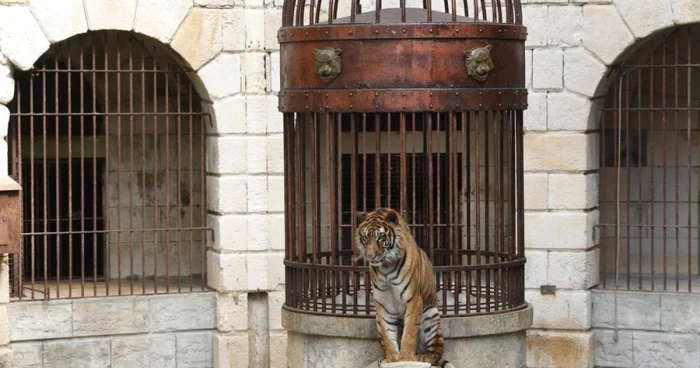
point(407, 357)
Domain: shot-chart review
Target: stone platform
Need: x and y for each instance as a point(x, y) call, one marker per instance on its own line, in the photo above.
point(317, 341)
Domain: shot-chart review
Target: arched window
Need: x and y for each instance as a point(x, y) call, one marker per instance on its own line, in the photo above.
point(650, 168)
point(107, 139)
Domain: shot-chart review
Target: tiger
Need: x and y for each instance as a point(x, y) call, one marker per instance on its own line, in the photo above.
point(403, 288)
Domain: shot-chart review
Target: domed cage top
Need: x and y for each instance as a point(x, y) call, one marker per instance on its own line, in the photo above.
point(415, 108)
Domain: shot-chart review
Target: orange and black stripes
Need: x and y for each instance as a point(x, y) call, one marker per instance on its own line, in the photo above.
point(404, 291)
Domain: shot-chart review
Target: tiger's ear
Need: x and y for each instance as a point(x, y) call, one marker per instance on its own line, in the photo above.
point(361, 216)
point(392, 217)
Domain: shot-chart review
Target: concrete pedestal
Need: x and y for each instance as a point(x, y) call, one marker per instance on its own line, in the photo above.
point(344, 342)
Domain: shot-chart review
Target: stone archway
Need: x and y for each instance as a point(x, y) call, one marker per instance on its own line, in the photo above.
point(195, 34)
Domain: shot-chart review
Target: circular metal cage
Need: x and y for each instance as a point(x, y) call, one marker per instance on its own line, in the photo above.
point(417, 107)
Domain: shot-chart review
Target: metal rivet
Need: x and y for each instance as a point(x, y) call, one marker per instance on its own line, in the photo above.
point(349, 32)
point(457, 105)
point(307, 33)
point(499, 105)
point(457, 30)
point(481, 93)
point(457, 93)
point(326, 106)
point(307, 107)
point(500, 93)
point(403, 30)
point(431, 106)
point(481, 30)
point(481, 105)
point(431, 30)
point(307, 95)
point(404, 106)
point(376, 31)
point(377, 106)
point(350, 94)
point(376, 94)
point(351, 106)
point(326, 32)
point(326, 94)
point(403, 93)
point(431, 93)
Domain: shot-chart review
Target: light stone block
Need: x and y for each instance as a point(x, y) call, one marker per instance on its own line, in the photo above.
point(604, 33)
point(560, 151)
point(679, 312)
point(567, 310)
point(277, 231)
point(278, 349)
point(199, 38)
point(227, 272)
point(143, 351)
point(611, 353)
point(232, 311)
point(573, 191)
point(222, 76)
point(214, 3)
point(40, 320)
point(536, 33)
point(230, 232)
point(4, 326)
point(84, 353)
point(111, 14)
point(573, 270)
point(230, 115)
point(257, 194)
point(536, 191)
point(669, 350)
point(635, 310)
point(22, 40)
point(234, 29)
point(4, 278)
point(6, 357)
point(255, 78)
point(275, 300)
point(569, 112)
point(275, 77)
point(257, 271)
point(60, 20)
point(256, 152)
point(257, 233)
point(110, 316)
point(227, 155)
point(226, 194)
point(528, 72)
point(7, 83)
point(191, 311)
point(685, 11)
point(14, 2)
point(256, 114)
point(582, 72)
point(230, 351)
point(548, 68)
point(559, 349)
point(160, 19)
point(558, 230)
point(275, 200)
point(536, 268)
point(28, 355)
point(275, 154)
point(273, 22)
point(195, 349)
point(536, 114)
point(564, 25)
point(275, 270)
point(255, 30)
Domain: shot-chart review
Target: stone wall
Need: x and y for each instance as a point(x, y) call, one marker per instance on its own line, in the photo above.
point(128, 331)
point(231, 45)
point(654, 329)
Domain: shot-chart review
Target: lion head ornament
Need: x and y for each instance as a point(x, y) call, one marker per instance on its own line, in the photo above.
point(479, 62)
point(327, 63)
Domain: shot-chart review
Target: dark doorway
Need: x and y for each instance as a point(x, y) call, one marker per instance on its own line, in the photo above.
point(69, 229)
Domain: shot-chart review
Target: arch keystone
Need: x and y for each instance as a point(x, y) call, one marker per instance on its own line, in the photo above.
point(112, 14)
point(161, 27)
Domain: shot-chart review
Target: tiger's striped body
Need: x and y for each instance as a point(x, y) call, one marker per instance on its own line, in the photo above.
point(403, 287)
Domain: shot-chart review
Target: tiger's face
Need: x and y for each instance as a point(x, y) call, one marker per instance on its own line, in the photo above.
point(479, 63)
point(378, 237)
point(327, 63)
